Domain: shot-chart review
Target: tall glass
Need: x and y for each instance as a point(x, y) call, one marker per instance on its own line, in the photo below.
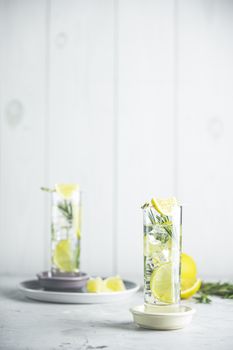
point(162, 247)
point(65, 233)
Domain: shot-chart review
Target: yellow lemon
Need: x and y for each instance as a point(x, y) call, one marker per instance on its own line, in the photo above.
point(164, 206)
point(66, 190)
point(189, 292)
point(114, 283)
point(190, 284)
point(95, 285)
point(188, 271)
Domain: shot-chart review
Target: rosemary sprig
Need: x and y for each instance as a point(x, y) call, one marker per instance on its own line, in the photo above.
point(66, 209)
point(166, 223)
point(223, 290)
point(46, 189)
point(202, 298)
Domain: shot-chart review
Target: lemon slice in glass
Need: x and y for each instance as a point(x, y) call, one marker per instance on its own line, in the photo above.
point(164, 206)
point(66, 190)
point(161, 283)
point(62, 256)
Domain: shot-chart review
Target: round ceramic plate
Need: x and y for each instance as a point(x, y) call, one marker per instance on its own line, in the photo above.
point(163, 317)
point(32, 290)
point(62, 282)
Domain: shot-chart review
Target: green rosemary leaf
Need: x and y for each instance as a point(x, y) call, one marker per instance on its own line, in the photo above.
point(224, 290)
point(46, 189)
point(146, 205)
point(66, 210)
point(203, 298)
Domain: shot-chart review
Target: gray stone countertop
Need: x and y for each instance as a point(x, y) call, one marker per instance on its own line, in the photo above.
point(27, 324)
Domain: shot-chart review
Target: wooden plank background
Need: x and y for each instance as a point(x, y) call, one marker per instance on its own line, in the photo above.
point(130, 99)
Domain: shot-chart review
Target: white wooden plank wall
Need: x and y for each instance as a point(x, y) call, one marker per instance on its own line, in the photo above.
point(205, 110)
point(130, 99)
point(23, 116)
point(81, 117)
point(145, 119)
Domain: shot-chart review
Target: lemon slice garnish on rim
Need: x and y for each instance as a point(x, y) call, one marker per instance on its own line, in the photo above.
point(66, 190)
point(164, 206)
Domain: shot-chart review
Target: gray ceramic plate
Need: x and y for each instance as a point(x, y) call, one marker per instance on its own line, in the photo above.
point(62, 282)
point(33, 290)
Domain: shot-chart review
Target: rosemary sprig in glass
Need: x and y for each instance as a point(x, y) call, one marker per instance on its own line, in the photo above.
point(65, 206)
point(66, 209)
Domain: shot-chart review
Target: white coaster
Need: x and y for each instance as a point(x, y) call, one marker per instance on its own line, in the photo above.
point(162, 317)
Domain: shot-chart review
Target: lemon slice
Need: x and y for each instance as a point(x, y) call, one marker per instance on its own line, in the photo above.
point(164, 206)
point(161, 283)
point(66, 190)
point(62, 256)
point(187, 293)
point(114, 283)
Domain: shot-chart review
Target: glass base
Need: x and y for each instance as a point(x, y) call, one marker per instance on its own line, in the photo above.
point(167, 308)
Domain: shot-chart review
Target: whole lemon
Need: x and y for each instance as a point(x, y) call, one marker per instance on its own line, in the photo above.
point(188, 271)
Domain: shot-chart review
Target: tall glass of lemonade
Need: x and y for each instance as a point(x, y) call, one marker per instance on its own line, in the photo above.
point(65, 229)
point(162, 221)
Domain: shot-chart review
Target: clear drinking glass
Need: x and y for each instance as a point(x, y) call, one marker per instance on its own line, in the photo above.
point(65, 233)
point(162, 248)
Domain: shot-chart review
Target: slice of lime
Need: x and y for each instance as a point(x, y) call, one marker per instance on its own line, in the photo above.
point(164, 206)
point(161, 283)
point(66, 190)
point(63, 257)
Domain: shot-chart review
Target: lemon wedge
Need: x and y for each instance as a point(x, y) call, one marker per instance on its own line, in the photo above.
point(110, 284)
point(189, 292)
point(164, 206)
point(95, 285)
point(114, 283)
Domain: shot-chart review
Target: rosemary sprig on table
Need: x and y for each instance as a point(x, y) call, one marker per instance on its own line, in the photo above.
point(223, 290)
point(202, 298)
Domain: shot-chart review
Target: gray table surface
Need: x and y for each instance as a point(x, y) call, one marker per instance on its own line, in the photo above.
point(27, 324)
